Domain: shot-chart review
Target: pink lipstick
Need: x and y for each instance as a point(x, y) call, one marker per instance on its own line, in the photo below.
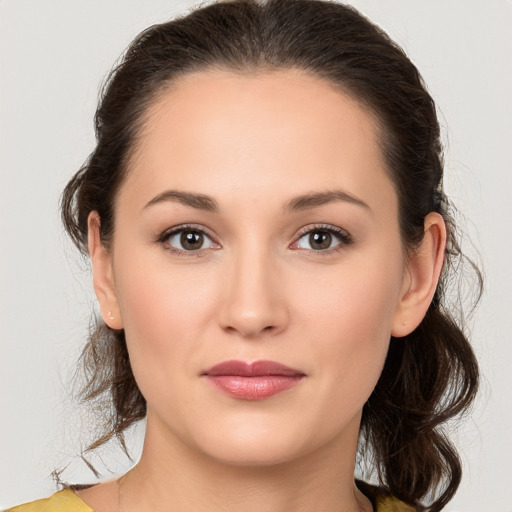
point(252, 381)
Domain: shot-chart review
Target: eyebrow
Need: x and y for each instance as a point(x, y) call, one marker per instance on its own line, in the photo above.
point(314, 200)
point(198, 201)
point(303, 202)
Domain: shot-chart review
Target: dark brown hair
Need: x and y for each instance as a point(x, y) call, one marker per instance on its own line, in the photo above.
point(431, 375)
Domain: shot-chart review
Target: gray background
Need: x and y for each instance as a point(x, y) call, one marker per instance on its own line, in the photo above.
point(53, 56)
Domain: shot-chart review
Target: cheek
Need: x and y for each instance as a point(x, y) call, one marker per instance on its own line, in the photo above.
point(164, 297)
point(164, 310)
point(350, 312)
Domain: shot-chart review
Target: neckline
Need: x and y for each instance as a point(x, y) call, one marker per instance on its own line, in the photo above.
point(374, 493)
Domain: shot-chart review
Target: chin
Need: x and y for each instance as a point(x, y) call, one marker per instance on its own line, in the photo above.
point(256, 447)
point(254, 455)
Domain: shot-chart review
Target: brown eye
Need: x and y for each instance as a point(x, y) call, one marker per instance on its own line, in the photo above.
point(323, 239)
point(188, 240)
point(191, 240)
point(320, 240)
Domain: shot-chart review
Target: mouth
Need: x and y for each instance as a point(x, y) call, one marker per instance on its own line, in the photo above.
point(252, 381)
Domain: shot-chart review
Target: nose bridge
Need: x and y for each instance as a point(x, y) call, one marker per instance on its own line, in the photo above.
point(253, 303)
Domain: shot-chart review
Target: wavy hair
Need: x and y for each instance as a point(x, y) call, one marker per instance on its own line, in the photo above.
point(429, 376)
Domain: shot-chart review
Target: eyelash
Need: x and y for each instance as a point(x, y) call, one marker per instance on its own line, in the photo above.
point(166, 235)
point(343, 237)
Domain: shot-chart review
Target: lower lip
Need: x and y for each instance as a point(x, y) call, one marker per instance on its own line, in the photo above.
point(253, 388)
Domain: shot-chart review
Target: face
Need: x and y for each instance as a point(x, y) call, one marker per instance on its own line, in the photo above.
point(257, 224)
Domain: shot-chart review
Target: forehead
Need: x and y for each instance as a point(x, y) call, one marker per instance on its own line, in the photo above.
point(284, 129)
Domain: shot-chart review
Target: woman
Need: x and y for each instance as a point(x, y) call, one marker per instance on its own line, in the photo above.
point(270, 241)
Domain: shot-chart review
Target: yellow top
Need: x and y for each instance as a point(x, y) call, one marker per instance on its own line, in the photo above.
point(68, 501)
point(62, 501)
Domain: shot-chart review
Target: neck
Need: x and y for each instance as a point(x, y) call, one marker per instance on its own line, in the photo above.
point(189, 481)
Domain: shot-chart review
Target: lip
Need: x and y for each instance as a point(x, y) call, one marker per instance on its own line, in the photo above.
point(252, 381)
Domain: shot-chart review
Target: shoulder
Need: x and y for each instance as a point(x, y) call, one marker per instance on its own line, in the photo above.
point(62, 501)
point(382, 501)
point(390, 504)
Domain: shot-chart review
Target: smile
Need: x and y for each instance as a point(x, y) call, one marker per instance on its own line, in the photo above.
point(252, 381)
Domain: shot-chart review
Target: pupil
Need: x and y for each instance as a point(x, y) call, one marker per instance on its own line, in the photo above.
point(320, 240)
point(191, 240)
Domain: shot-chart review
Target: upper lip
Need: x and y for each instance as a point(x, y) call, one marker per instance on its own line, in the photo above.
point(255, 369)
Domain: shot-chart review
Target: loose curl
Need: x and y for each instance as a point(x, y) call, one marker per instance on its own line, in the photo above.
point(429, 376)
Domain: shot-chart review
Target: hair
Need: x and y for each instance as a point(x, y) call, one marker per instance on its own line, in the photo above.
point(430, 375)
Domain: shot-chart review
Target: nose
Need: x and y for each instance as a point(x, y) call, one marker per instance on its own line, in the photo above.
point(254, 301)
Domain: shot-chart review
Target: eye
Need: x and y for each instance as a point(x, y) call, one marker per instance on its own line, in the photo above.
point(323, 239)
point(187, 240)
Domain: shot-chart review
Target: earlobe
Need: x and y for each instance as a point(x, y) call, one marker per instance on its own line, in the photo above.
point(423, 272)
point(103, 276)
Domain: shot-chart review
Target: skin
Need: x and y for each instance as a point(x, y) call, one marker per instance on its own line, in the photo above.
point(256, 290)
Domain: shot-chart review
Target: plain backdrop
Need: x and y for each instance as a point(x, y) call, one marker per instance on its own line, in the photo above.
point(54, 55)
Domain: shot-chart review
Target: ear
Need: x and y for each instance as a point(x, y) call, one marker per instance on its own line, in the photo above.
point(103, 275)
point(421, 278)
